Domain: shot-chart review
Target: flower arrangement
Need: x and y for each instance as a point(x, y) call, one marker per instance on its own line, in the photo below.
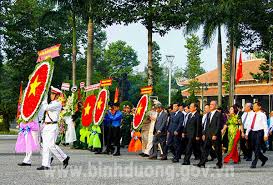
point(37, 88)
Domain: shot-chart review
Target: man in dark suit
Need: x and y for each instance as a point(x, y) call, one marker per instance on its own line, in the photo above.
point(174, 133)
point(212, 136)
point(159, 130)
point(192, 131)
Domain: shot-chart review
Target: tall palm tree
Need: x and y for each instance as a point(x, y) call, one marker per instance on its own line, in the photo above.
point(95, 12)
point(208, 18)
point(72, 7)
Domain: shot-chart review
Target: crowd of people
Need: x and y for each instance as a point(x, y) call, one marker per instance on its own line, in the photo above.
point(180, 130)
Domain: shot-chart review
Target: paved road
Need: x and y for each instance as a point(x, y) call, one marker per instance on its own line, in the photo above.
point(88, 168)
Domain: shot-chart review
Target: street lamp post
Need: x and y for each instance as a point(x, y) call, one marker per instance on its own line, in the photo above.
point(170, 59)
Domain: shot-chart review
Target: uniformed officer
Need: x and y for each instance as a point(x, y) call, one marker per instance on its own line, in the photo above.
point(50, 131)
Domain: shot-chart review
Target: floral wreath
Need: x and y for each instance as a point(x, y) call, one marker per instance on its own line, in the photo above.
point(99, 121)
point(50, 69)
point(147, 102)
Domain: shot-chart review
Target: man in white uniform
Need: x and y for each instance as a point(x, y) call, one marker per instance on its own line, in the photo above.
point(50, 132)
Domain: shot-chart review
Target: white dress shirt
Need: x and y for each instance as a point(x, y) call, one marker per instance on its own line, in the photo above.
point(247, 118)
point(260, 123)
point(53, 111)
point(212, 114)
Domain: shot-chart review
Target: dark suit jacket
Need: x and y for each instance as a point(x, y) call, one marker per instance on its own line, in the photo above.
point(213, 127)
point(193, 126)
point(161, 122)
point(176, 122)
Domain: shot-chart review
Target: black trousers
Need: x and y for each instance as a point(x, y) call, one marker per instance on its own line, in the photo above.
point(113, 138)
point(246, 146)
point(270, 139)
point(189, 149)
point(175, 142)
point(158, 139)
point(207, 147)
point(257, 141)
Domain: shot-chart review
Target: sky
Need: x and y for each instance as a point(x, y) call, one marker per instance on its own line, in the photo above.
point(171, 44)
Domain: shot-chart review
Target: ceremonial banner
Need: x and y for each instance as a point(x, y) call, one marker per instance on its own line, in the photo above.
point(87, 112)
point(92, 87)
point(65, 86)
point(51, 52)
point(19, 102)
point(39, 82)
point(146, 90)
point(239, 74)
point(140, 111)
point(100, 106)
point(107, 82)
point(116, 95)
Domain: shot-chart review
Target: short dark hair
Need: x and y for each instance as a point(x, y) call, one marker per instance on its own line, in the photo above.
point(116, 104)
point(259, 104)
point(195, 105)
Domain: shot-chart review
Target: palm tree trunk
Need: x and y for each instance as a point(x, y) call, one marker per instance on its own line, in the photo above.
point(232, 72)
point(150, 52)
point(219, 63)
point(90, 46)
point(74, 49)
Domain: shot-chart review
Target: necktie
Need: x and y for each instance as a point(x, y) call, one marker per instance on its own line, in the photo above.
point(245, 119)
point(208, 118)
point(206, 121)
point(253, 122)
point(186, 119)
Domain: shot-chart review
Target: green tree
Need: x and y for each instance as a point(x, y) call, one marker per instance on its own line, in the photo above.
point(119, 58)
point(158, 16)
point(96, 12)
point(193, 65)
point(72, 8)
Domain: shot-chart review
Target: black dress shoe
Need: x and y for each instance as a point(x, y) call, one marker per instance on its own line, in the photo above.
point(145, 155)
point(252, 166)
point(24, 164)
point(141, 154)
point(116, 154)
point(263, 163)
point(218, 166)
point(65, 162)
point(186, 163)
point(200, 165)
point(175, 160)
point(43, 168)
point(164, 158)
point(152, 157)
point(106, 152)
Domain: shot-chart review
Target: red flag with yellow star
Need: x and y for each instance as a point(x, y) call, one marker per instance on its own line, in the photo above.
point(87, 112)
point(140, 111)
point(100, 106)
point(38, 83)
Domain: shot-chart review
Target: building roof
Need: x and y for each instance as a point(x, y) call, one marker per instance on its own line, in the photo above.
point(212, 76)
point(251, 89)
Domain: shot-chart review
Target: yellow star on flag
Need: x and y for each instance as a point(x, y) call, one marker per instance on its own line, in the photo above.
point(33, 86)
point(87, 109)
point(99, 103)
point(139, 109)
